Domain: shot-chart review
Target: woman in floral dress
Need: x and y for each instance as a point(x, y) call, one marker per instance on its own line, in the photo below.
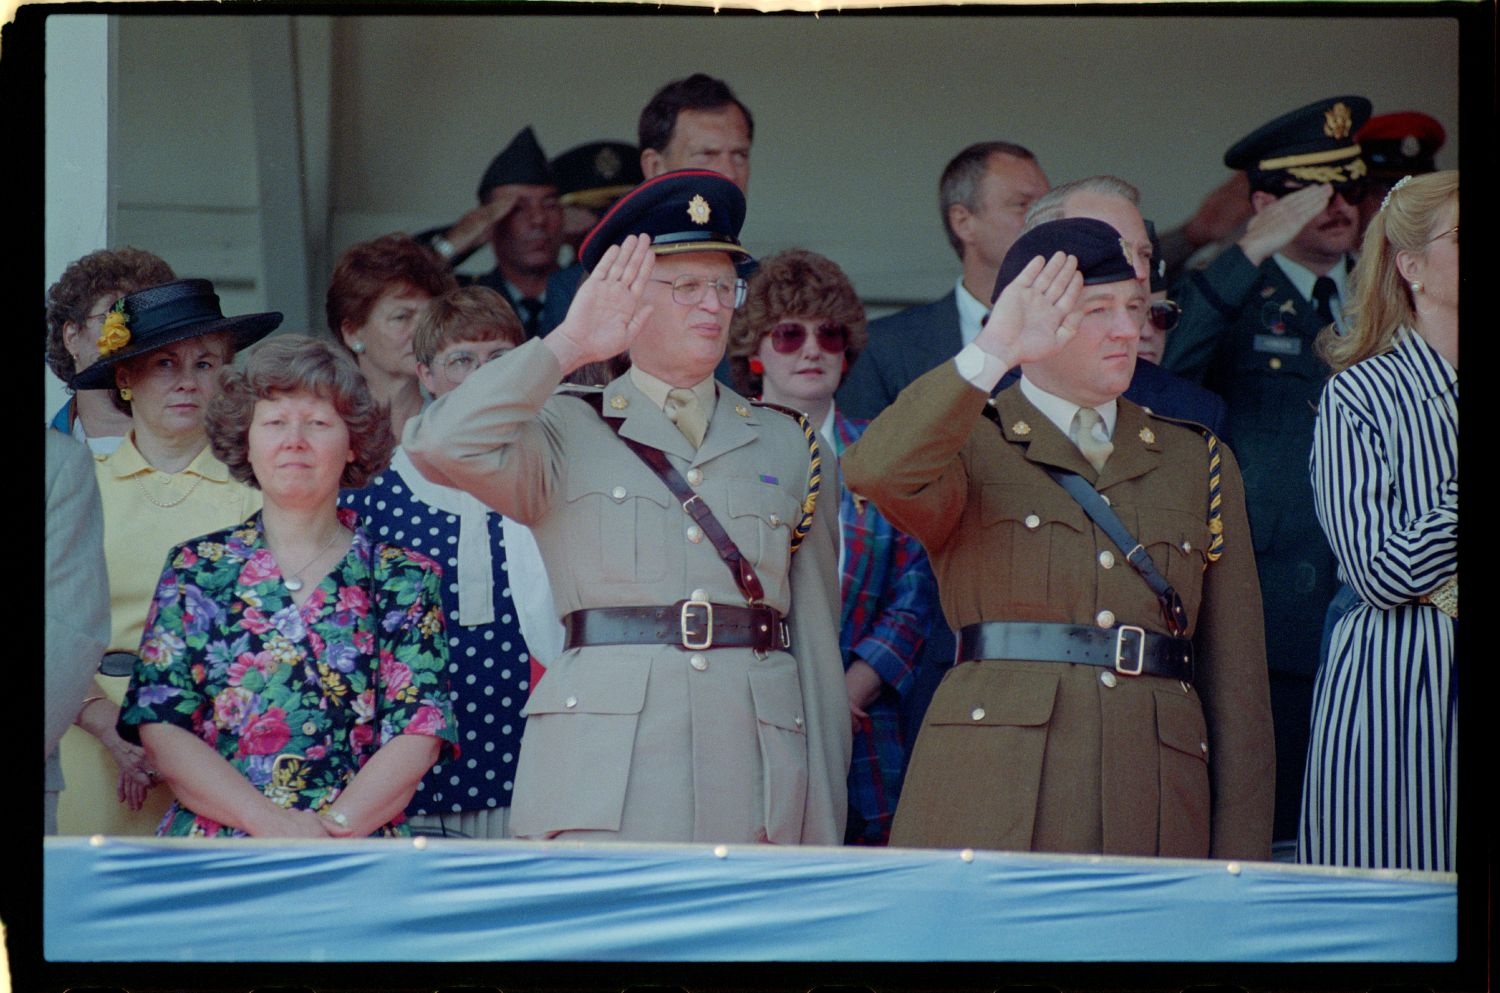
point(291, 681)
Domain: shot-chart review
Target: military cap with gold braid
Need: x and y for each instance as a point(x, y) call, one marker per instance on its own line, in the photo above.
point(1312, 144)
point(687, 210)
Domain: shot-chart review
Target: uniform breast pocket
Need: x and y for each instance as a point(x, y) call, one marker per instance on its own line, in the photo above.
point(761, 519)
point(1026, 529)
point(1183, 820)
point(623, 525)
point(1178, 543)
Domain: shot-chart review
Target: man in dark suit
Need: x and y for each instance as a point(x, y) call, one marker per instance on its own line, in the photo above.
point(983, 196)
point(1247, 330)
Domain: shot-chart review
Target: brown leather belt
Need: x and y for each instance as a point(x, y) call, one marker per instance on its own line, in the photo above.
point(1127, 649)
point(696, 625)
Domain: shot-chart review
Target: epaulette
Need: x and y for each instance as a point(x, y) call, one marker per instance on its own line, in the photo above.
point(1215, 468)
point(815, 470)
point(580, 391)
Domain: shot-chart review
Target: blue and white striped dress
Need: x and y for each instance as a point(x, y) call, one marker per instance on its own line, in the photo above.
point(1382, 765)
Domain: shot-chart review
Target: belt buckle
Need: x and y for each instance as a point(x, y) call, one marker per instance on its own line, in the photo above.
point(708, 625)
point(1140, 651)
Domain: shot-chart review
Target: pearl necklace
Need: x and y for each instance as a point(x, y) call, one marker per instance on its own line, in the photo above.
point(140, 479)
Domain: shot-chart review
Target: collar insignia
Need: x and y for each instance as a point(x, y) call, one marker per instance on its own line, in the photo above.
point(1020, 428)
point(697, 209)
point(1337, 121)
point(1288, 307)
point(618, 402)
point(742, 410)
point(1148, 436)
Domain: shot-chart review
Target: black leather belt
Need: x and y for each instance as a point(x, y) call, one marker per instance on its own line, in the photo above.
point(692, 624)
point(1127, 649)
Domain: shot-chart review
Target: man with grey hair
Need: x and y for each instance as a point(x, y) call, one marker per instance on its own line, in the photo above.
point(1117, 203)
point(983, 196)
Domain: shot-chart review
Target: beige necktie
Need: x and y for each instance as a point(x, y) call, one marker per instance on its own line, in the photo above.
point(684, 410)
point(1093, 448)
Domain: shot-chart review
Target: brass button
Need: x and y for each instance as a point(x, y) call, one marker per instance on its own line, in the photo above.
point(698, 661)
point(571, 701)
point(1107, 559)
point(1105, 618)
point(797, 721)
point(1275, 362)
point(1033, 522)
point(1108, 678)
point(618, 492)
point(694, 534)
point(1203, 747)
point(698, 595)
point(695, 476)
point(775, 520)
point(1187, 546)
point(978, 714)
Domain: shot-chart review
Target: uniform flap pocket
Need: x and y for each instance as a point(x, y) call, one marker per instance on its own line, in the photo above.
point(1183, 532)
point(1029, 506)
point(767, 501)
point(777, 697)
point(604, 686)
point(628, 484)
point(1011, 699)
point(1180, 725)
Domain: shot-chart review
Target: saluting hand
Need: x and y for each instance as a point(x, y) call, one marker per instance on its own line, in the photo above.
point(607, 313)
point(1277, 223)
point(1033, 316)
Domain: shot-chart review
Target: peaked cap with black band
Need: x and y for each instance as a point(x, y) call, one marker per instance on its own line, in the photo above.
point(522, 161)
point(152, 318)
point(1103, 255)
point(687, 210)
point(1312, 144)
point(594, 175)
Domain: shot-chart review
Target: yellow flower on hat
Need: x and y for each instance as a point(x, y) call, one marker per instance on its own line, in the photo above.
point(115, 334)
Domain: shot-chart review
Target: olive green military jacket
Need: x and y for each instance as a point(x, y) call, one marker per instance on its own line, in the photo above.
point(1034, 755)
point(653, 742)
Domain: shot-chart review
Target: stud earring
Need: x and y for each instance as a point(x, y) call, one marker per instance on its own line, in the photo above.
point(1416, 286)
point(357, 347)
point(757, 367)
point(125, 394)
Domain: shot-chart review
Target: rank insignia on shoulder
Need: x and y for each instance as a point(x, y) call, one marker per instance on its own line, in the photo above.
point(618, 402)
point(1021, 428)
point(1148, 436)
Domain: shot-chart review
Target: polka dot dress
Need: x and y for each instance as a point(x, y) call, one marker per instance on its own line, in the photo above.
point(488, 666)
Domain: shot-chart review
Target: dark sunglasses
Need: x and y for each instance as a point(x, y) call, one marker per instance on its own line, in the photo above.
point(1353, 191)
point(788, 338)
point(1165, 314)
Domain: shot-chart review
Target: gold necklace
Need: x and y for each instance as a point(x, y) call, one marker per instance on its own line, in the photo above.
point(140, 479)
point(291, 579)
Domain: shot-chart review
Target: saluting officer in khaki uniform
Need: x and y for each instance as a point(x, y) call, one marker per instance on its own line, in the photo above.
point(678, 711)
point(1075, 721)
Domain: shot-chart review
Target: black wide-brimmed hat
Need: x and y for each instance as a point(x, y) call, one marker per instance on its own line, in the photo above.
point(593, 176)
point(688, 210)
point(522, 161)
point(1103, 255)
point(162, 315)
point(1312, 144)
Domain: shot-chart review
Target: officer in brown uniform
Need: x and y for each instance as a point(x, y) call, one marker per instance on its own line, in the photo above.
point(1087, 713)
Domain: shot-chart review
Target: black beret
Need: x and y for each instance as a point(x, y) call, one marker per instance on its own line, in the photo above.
point(1103, 256)
point(522, 161)
point(596, 174)
point(1312, 144)
point(688, 210)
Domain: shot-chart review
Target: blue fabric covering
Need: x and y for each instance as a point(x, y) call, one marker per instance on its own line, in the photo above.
point(178, 900)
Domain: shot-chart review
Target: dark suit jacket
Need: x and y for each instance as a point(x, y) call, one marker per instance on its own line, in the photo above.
point(902, 347)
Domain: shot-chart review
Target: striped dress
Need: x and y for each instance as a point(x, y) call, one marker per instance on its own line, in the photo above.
point(1382, 766)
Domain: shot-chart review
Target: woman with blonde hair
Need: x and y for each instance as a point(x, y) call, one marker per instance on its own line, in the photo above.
point(1382, 770)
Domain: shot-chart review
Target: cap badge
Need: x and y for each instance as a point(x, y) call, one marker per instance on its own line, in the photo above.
point(1021, 428)
point(618, 402)
point(607, 163)
point(1410, 146)
point(1148, 436)
point(1337, 121)
point(697, 209)
point(1128, 252)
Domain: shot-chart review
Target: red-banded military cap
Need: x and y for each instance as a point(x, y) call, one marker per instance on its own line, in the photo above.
point(1401, 144)
point(687, 210)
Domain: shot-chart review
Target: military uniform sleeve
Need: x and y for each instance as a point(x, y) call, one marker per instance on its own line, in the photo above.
point(1230, 676)
point(813, 622)
point(1210, 301)
point(907, 461)
point(490, 436)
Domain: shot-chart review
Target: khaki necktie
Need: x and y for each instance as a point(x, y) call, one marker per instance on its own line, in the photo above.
point(1093, 448)
point(684, 410)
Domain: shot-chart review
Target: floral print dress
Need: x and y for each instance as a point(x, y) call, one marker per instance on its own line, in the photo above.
point(297, 699)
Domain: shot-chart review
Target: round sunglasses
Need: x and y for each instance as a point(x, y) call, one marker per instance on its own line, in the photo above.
point(789, 337)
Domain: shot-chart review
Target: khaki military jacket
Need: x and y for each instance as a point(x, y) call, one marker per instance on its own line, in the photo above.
point(1032, 755)
point(656, 743)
